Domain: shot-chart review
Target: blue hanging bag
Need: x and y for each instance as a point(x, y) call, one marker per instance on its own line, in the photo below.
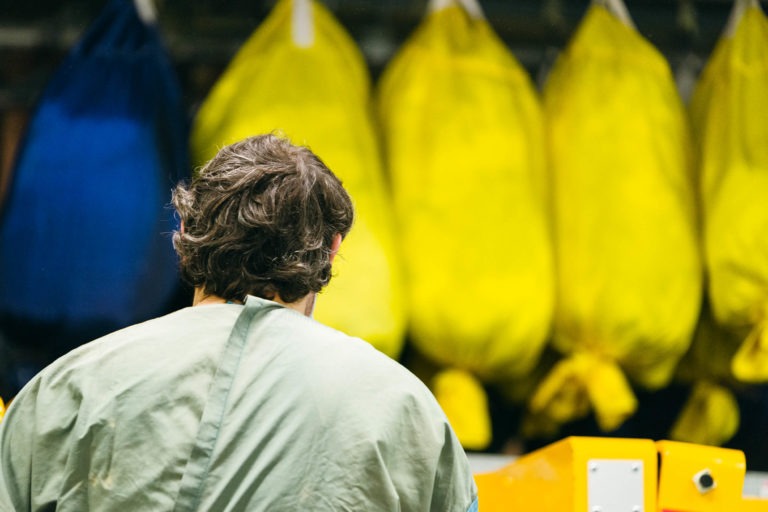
point(85, 232)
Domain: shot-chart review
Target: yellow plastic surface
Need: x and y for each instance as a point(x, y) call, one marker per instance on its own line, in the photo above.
point(753, 505)
point(464, 142)
point(554, 478)
point(680, 462)
point(729, 109)
point(626, 241)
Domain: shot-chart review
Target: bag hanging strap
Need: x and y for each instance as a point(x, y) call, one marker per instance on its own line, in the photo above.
point(737, 12)
point(146, 10)
point(302, 23)
point(618, 9)
point(471, 7)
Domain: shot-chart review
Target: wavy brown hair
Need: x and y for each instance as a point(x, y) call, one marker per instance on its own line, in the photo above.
point(259, 219)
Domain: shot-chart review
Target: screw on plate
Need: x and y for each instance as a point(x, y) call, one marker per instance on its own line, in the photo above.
point(635, 468)
point(597, 509)
point(592, 467)
point(637, 508)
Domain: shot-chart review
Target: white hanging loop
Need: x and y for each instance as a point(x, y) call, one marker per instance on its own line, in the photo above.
point(302, 23)
point(146, 11)
point(739, 6)
point(618, 9)
point(471, 7)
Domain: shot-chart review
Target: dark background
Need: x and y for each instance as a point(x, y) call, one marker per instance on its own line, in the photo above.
point(202, 35)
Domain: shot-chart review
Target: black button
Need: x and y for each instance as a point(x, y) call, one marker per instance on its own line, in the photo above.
point(706, 481)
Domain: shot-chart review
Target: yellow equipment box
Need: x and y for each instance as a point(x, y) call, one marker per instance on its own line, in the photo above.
point(700, 478)
point(584, 474)
point(696, 478)
point(593, 474)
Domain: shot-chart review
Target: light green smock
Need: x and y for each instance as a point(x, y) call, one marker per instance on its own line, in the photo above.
point(228, 407)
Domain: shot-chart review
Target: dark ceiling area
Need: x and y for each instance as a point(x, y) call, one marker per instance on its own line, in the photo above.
point(203, 35)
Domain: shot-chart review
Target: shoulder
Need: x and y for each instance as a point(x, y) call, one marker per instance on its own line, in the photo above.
point(360, 388)
point(351, 363)
point(108, 390)
point(371, 412)
point(140, 344)
point(133, 357)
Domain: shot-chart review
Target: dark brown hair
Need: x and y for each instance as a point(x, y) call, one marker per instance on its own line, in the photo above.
point(259, 219)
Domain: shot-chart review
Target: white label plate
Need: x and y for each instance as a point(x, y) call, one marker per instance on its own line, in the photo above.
point(615, 485)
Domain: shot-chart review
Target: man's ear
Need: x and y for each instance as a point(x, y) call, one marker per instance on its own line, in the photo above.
point(335, 244)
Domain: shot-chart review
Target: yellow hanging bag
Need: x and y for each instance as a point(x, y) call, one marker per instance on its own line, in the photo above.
point(711, 415)
point(301, 74)
point(626, 249)
point(730, 115)
point(464, 143)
